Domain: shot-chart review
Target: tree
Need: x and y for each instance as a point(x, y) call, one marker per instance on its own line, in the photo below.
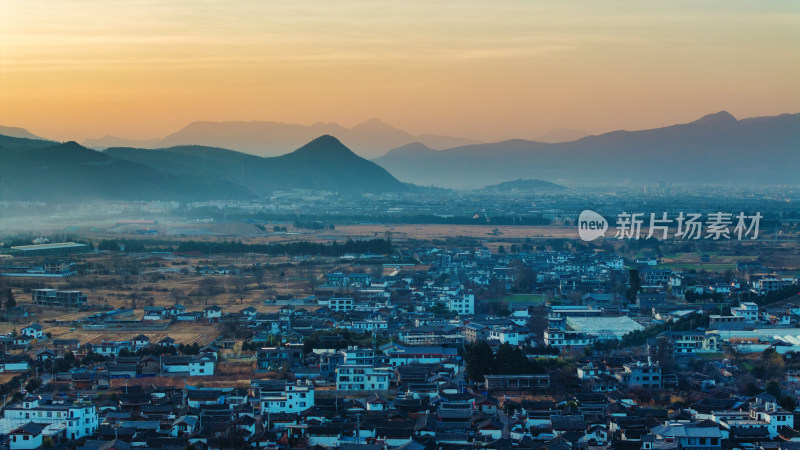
point(177, 295)
point(240, 287)
point(501, 250)
point(773, 364)
point(788, 403)
point(773, 388)
point(33, 384)
point(635, 285)
point(479, 360)
point(258, 274)
point(10, 301)
point(209, 287)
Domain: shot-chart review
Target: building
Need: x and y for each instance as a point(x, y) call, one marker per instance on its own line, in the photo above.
point(699, 436)
point(212, 313)
point(512, 334)
point(58, 299)
point(34, 331)
point(277, 396)
point(462, 305)
point(357, 355)
point(271, 358)
point(400, 355)
point(605, 328)
point(643, 374)
point(53, 249)
point(689, 343)
point(516, 382)
point(772, 283)
point(341, 304)
point(27, 436)
point(748, 310)
point(193, 366)
point(361, 377)
point(568, 340)
point(78, 419)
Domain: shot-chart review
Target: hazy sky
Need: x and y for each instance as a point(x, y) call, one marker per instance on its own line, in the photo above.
point(487, 70)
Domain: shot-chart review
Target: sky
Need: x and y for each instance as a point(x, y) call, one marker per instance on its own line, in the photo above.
point(484, 70)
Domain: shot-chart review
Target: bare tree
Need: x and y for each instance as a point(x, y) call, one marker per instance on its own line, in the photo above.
point(209, 287)
point(177, 295)
point(240, 287)
point(258, 274)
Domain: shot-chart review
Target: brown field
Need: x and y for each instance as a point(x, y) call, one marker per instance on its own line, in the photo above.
point(226, 375)
point(182, 333)
point(428, 232)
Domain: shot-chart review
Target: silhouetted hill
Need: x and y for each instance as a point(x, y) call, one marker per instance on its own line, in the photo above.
point(523, 185)
point(10, 143)
point(417, 149)
point(322, 164)
point(18, 132)
point(71, 172)
point(714, 149)
point(369, 139)
point(107, 141)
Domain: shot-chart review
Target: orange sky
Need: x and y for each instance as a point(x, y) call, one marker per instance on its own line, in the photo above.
point(486, 70)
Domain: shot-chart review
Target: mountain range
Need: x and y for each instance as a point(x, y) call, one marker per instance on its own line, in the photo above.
point(716, 149)
point(369, 139)
point(32, 169)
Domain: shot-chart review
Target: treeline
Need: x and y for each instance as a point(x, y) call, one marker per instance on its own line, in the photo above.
point(313, 225)
point(776, 296)
point(480, 361)
point(135, 245)
point(417, 219)
point(376, 246)
point(349, 219)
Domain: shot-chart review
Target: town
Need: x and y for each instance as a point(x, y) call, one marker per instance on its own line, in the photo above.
point(537, 344)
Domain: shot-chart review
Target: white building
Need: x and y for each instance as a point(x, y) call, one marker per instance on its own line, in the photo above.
point(202, 365)
point(361, 377)
point(748, 310)
point(34, 331)
point(462, 304)
point(511, 335)
point(772, 283)
point(78, 419)
point(281, 397)
point(369, 324)
point(212, 313)
point(340, 304)
point(357, 355)
point(605, 328)
point(644, 374)
point(563, 339)
point(27, 436)
point(199, 365)
point(400, 355)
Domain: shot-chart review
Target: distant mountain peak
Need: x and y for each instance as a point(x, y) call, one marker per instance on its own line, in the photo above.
point(324, 146)
point(18, 132)
point(412, 148)
point(718, 118)
point(373, 123)
point(72, 145)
